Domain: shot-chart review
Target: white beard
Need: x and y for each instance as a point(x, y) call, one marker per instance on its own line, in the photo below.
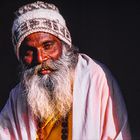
point(51, 94)
point(44, 103)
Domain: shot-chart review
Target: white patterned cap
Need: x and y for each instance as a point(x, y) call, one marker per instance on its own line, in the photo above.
point(38, 17)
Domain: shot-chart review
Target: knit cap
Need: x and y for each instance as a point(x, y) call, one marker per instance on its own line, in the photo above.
point(38, 17)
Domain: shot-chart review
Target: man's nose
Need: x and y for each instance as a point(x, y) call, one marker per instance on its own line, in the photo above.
point(40, 57)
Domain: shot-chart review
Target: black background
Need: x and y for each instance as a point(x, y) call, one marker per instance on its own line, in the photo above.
point(105, 30)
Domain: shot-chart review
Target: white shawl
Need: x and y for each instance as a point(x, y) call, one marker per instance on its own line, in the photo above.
point(99, 111)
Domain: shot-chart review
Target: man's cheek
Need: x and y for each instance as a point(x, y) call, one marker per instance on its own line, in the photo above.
point(28, 60)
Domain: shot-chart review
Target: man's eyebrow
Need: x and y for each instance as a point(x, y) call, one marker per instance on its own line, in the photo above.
point(26, 46)
point(48, 41)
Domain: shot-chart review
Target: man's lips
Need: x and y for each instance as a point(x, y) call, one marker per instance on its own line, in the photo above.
point(44, 71)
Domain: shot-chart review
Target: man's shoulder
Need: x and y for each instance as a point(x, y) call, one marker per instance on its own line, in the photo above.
point(17, 90)
point(92, 65)
point(94, 69)
point(16, 87)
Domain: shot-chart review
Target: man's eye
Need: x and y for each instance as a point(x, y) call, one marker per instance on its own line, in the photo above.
point(48, 45)
point(29, 53)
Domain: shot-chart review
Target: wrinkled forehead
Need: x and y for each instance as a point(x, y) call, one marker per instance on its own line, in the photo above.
point(39, 38)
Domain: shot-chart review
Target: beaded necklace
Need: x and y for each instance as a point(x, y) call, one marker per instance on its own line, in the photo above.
point(64, 131)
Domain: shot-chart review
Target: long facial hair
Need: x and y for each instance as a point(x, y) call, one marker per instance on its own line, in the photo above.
point(51, 94)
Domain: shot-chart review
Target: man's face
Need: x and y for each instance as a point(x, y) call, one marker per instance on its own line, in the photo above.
point(39, 47)
point(47, 74)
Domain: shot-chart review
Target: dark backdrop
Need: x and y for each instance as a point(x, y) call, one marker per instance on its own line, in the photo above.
point(106, 31)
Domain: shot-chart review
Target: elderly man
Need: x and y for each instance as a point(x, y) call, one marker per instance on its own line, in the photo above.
point(63, 95)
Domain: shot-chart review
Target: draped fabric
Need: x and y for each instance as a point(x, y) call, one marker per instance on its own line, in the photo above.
point(99, 112)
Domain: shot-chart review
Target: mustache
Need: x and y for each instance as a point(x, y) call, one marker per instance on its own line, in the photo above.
point(46, 65)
